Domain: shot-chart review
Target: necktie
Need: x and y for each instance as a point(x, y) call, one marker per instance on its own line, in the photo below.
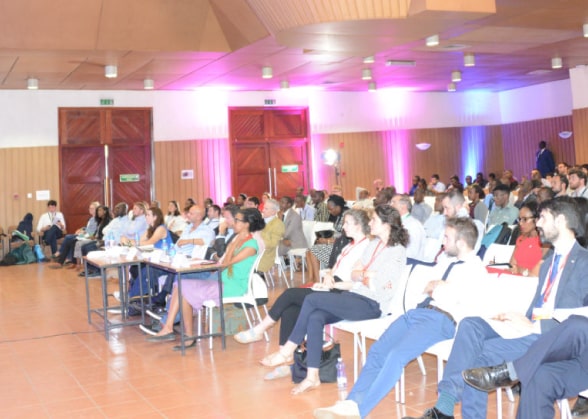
point(428, 300)
point(552, 277)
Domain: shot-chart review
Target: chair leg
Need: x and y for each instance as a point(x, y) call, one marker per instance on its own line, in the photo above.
point(259, 320)
point(210, 339)
point(499, 403)
point(509, 394)
point(269, 275)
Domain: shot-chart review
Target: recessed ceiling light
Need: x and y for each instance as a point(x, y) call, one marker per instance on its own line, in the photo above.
point(469, 60)
point(32, 83)
point(372, 86)
point(432, 41)
point(284, 85)
point(451, 87)
point(110, 71)
point(456, 76)
point(556, 63)
point(148, 84)
point(366, 74)
point(267, 73)
point(369, 60)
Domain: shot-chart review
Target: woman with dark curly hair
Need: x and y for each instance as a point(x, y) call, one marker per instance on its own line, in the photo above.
point(375, 280)
point(237, 263)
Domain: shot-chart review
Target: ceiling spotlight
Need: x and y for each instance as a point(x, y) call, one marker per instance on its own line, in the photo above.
point(469, 60)
point(148, 84)
point(366, 74)
point(110, 71)
point(432, 41)
point(284, 85)
point(372, 86)
point(585, 29)
point(451, 87)
point(369, 60)
point(267, 73)
point(556, 62)
point(456, 76)
point(32, 84)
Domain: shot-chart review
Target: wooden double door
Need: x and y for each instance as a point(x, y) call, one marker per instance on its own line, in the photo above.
point(269, 150)
point(105, 156)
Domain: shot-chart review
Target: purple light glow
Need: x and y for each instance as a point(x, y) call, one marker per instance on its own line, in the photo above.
point(396, 146)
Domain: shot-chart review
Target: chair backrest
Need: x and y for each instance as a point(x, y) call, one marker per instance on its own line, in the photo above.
point(498, 253)
point(322, 226)
point(510, 293)
point(308, 230)
point(252, 274)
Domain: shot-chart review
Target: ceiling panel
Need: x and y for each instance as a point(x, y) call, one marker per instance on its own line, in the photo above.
point(185, 44)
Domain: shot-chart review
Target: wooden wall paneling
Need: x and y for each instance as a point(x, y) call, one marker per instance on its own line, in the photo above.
point(81, 126)
point(521, 139)
point(207, 158)
point(362, 160)
point(26, 170)
point(580, 135)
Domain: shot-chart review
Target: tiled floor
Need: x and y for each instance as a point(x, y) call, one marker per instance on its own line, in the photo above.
point(54, 364)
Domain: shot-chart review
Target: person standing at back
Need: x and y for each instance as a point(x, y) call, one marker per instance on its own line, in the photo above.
point(544, 160)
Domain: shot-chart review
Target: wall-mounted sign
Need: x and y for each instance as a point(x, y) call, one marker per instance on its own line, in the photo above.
point(106, 102)
point(187, 174)
point(290, 168)
point(129, 177)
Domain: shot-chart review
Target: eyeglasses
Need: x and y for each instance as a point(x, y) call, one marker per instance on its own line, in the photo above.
point(240, 220)
point(525, 219)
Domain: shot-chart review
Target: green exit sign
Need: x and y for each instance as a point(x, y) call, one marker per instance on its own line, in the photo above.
point(106, 102)
point(129, 177)
point(290, 168)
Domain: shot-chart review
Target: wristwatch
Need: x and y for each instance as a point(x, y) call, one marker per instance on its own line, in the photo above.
point(525, 272)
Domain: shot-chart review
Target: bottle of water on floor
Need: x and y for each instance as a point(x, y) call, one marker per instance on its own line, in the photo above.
point(341, 379)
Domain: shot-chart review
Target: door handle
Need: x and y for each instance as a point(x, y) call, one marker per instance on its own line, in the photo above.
point(269, 175)
point(275, 183)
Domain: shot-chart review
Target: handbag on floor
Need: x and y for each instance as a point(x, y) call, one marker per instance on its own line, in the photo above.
point(328, 365)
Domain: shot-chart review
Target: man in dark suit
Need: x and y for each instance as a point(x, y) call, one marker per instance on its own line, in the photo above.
point(545, 162)
point(555, 367)
point(293, 235)
point(561, 284)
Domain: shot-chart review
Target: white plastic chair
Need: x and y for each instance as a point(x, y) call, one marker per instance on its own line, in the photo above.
point(280, 265)
point(308, 230)
point(255, 289)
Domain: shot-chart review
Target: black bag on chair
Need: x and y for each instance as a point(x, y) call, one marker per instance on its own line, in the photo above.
point(328, 365)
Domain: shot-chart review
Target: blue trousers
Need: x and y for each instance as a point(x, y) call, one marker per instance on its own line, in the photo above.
point(321, 308)
point(555, 367)
point(50, 237)
point(477, 345)
point(404, 340)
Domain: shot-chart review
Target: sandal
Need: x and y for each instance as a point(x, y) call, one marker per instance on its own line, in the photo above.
point(276, 359)
point(280, 372)
point(247, 336)
point(304, 386)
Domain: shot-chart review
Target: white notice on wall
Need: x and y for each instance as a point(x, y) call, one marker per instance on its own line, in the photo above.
point(43, 195)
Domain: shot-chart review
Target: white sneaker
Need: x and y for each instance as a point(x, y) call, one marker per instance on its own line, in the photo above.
point(153, 315)
point(346, 409)
point(116, 295)
point(148, 330)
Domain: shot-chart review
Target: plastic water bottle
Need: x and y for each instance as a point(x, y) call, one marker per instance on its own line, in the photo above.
point(341, 375)
point(172, 252)
point(137, 239)
point(165, 248)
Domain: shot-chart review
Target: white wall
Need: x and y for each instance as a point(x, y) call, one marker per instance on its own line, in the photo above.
point(579, 86)
point(29, 118)
point(540, 101)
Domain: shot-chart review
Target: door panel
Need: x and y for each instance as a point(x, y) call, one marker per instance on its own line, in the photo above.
point(288, 154)
point(288, 123)
point(131, 160)
point(250, 168)
point(130, 126)
point(80, 126)
point(82, 174)
point(247, 124)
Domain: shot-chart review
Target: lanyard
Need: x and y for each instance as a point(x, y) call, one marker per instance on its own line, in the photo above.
point(345, 252)
point(376, 252)
point(550, 280)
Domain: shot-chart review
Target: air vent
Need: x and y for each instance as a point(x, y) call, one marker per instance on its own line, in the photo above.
point(538, 72)
point(452, 47)
point(400, 63)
